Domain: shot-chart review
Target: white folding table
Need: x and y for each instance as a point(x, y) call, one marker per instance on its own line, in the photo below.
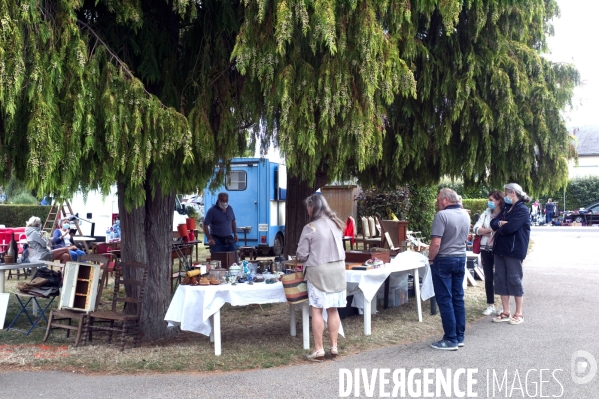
point(197, 308)
point(369, 281)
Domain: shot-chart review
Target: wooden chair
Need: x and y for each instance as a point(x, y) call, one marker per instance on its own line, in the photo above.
point(130, 278)
point(58, 317)
point(369, 233)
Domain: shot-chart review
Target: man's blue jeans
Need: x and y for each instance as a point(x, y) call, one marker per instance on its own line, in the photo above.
point(448, 277)
point(549, 217)
point(220, 246)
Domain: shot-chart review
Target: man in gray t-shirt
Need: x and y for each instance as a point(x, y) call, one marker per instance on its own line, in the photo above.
point(447, 257)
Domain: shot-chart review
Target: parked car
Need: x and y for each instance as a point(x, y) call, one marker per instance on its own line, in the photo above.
point(588, 214)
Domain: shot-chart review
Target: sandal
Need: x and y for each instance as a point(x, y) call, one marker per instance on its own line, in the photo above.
point(517, 319)
point(334, 352)
point(501, 317)
point(317, 356)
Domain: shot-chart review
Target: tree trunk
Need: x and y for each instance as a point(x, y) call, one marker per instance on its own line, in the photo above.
point(146, 237)
point(296, 215)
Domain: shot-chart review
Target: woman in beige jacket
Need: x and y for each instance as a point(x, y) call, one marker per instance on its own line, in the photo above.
point(321, 251)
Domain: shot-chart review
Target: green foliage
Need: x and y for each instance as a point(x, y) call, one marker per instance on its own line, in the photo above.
point(422, 208)
point(324, 72)
point(475, 205)
point(415, 203)
point(23, 198)
point(17, 193)
point(17, 215)
point(373, 202)
point(487, 104)
point(479, 191)
point(191, 212)
point(92, 93)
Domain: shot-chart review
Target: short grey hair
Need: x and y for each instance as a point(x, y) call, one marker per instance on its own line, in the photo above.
point(33, 221)
point(451, 195)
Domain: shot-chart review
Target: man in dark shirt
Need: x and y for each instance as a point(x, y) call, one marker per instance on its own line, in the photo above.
point(220, 228)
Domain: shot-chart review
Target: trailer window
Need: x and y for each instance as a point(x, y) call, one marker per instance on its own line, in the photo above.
point(236, 180)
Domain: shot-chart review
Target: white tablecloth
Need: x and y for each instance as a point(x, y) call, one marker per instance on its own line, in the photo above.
point(369, 281)
point(192, 306)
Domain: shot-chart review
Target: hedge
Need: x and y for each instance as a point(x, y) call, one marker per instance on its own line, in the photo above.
point(475, 205)
point(18, 215)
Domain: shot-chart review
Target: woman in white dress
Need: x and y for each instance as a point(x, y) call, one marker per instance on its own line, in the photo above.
point(321, 251)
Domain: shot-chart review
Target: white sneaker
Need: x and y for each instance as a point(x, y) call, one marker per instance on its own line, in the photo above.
point(499, 310)
point(490, 310)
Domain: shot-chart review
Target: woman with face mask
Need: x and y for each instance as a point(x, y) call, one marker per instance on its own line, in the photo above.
point(61, 239)
point(483, 228)
point(510, 245)
point(59, 234)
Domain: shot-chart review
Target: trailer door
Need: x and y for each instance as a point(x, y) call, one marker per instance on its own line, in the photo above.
point(242, 184)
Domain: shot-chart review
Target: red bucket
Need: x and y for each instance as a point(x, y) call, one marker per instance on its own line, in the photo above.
point(182, 229)
point(191, 223)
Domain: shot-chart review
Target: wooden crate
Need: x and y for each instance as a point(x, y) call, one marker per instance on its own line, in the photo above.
point(80, 286)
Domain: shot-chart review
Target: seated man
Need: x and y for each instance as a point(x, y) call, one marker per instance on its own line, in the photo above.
point(38, 246)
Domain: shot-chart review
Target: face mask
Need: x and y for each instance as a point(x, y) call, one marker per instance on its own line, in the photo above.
point(118, 222)
point(507, 200)
point(491, 204)
point(66, 226)
point(223, 205)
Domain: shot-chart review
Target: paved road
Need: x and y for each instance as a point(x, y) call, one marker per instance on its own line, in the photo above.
point(534, 359)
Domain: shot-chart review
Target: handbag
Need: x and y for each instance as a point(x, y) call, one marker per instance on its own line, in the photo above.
point(296, 289)
point(476, 244)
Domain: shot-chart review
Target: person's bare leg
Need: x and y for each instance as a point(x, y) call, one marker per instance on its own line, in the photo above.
point(333, 322)
point(317, 328)
point(519, 300)
point(505, 302)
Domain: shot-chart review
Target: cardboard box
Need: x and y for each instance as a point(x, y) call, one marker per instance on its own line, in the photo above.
point(398, 292)
point(576, 224)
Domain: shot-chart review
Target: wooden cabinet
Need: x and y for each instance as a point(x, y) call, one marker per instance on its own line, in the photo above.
point(80, 286)
point(397, 229)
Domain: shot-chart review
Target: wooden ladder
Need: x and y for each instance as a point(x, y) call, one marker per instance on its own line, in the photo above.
point(60, 210)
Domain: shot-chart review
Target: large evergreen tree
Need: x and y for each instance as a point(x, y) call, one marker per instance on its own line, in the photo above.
point(138, 93)
point(488, 104)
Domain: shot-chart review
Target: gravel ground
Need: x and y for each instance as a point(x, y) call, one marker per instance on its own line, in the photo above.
point(534, 359)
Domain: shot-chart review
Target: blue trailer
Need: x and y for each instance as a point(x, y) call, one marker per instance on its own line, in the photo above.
point(257, 189)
